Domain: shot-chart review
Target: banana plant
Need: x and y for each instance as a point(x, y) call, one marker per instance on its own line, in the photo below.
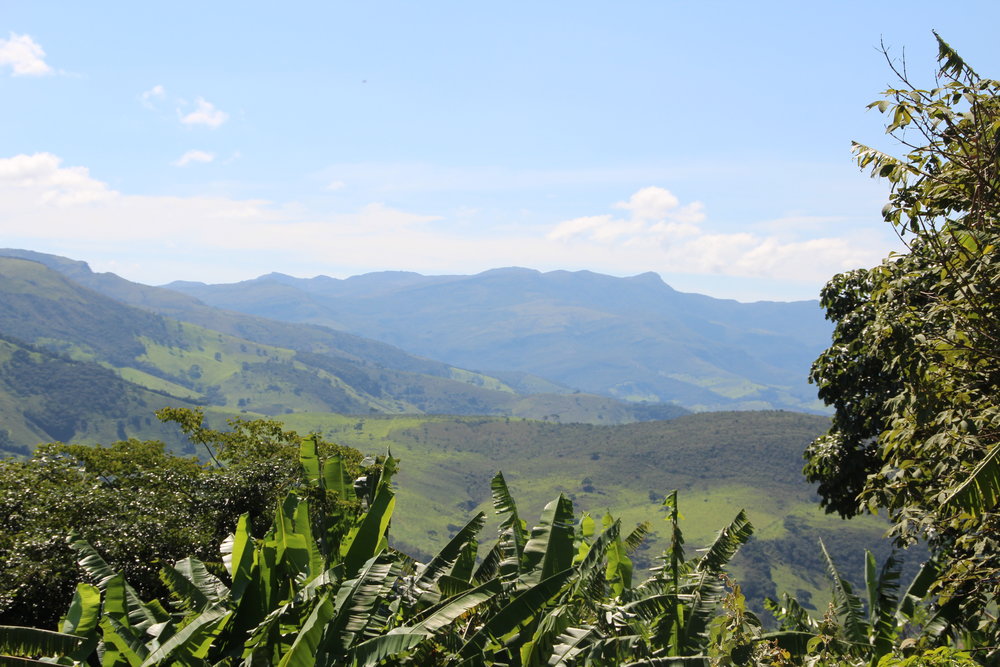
point(329, 590)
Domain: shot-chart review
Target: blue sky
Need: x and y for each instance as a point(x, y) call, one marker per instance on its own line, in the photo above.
point(708, 142)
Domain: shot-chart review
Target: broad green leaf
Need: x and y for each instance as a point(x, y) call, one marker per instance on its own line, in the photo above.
point(370, 652)
point(127, 642)
point(309, 460)
point(726, 544)
point(335, 478)
point(191, 641)
point(519, 611)
point(847, 604)
point(980, 492)
point(511, 530)
point(303, 650)
point(127, 601)
point(550, 548)
point(237, 556)
point(193, 585)
point(28, 642)
point(368, 541)
point(536, 651)
point(84, 612)
point(447, 611)
point(445, 560)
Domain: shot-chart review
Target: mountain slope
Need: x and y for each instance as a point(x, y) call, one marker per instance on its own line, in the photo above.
point(720, 462)
point(320, 370)
point(46, 398)
point(632, 338)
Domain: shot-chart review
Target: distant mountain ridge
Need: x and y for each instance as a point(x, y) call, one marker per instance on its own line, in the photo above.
point(73, 327)
point(635, 338)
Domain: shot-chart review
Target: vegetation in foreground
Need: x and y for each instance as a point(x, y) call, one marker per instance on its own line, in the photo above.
point(322, 586)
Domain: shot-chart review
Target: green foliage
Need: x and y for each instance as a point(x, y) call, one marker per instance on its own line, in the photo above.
point(913, 370)
point(140, 506)
point(561, 591)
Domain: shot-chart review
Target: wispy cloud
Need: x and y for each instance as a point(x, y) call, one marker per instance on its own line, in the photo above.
point(205, 114)
point(193, 156)
point(23, 56)
point(45, 205)
point(149, 97)
point(671, 237)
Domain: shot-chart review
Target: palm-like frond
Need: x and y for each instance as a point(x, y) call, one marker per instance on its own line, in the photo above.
point(847, 605)
point(445, 560)
point(550, 548)
point(33, 642)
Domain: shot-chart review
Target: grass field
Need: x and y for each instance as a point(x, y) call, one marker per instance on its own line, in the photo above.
point(720, 463)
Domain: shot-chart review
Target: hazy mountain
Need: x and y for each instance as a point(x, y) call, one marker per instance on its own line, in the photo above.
point(632, 338)
point(303, 368)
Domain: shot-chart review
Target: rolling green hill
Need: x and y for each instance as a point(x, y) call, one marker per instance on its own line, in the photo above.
point(45, 397)
point(304, 368)
point(720, 462)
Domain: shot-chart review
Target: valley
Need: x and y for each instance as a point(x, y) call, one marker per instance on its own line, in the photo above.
point(89, 357)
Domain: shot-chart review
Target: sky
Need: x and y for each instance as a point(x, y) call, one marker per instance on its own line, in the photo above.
point(218, 141)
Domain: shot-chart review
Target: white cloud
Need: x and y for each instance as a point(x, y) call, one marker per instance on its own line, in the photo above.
point(650, 203)
point(49, 207)
point(205, 114)
point(193, 156)
point(663, 235)
point(656, 216)
point(23, 55)
point(44, 181)
point(147, 97)
point(333, 186)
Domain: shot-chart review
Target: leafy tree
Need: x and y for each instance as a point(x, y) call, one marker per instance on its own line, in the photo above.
point(139, 505)
point(913, 368)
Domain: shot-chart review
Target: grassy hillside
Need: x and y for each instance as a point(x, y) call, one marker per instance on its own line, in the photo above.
point(321, 370)
point(45, 397)
point(720, 462)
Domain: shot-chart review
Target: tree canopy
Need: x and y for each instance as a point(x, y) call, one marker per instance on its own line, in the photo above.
point(914, 366)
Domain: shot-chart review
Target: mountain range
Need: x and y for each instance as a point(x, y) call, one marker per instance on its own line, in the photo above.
point(635, 339)
point(63, 326)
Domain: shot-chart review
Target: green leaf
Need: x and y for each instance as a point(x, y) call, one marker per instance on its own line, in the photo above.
point(237, 556)
point(335, 478)
point(309, 460)
point(397, 640)
point(370, 538)
point(511, 530)
point(29, 642)
point(84, 612)
point(980, 491)
point(447, 557)
point(132, 610)
point(550, 548)
point(126, 640)
point(726, 544)
point(447, 611)
point(847, 605)
point(193, 585)
point(191, 641)
point(518, 611)
point(303, 650)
